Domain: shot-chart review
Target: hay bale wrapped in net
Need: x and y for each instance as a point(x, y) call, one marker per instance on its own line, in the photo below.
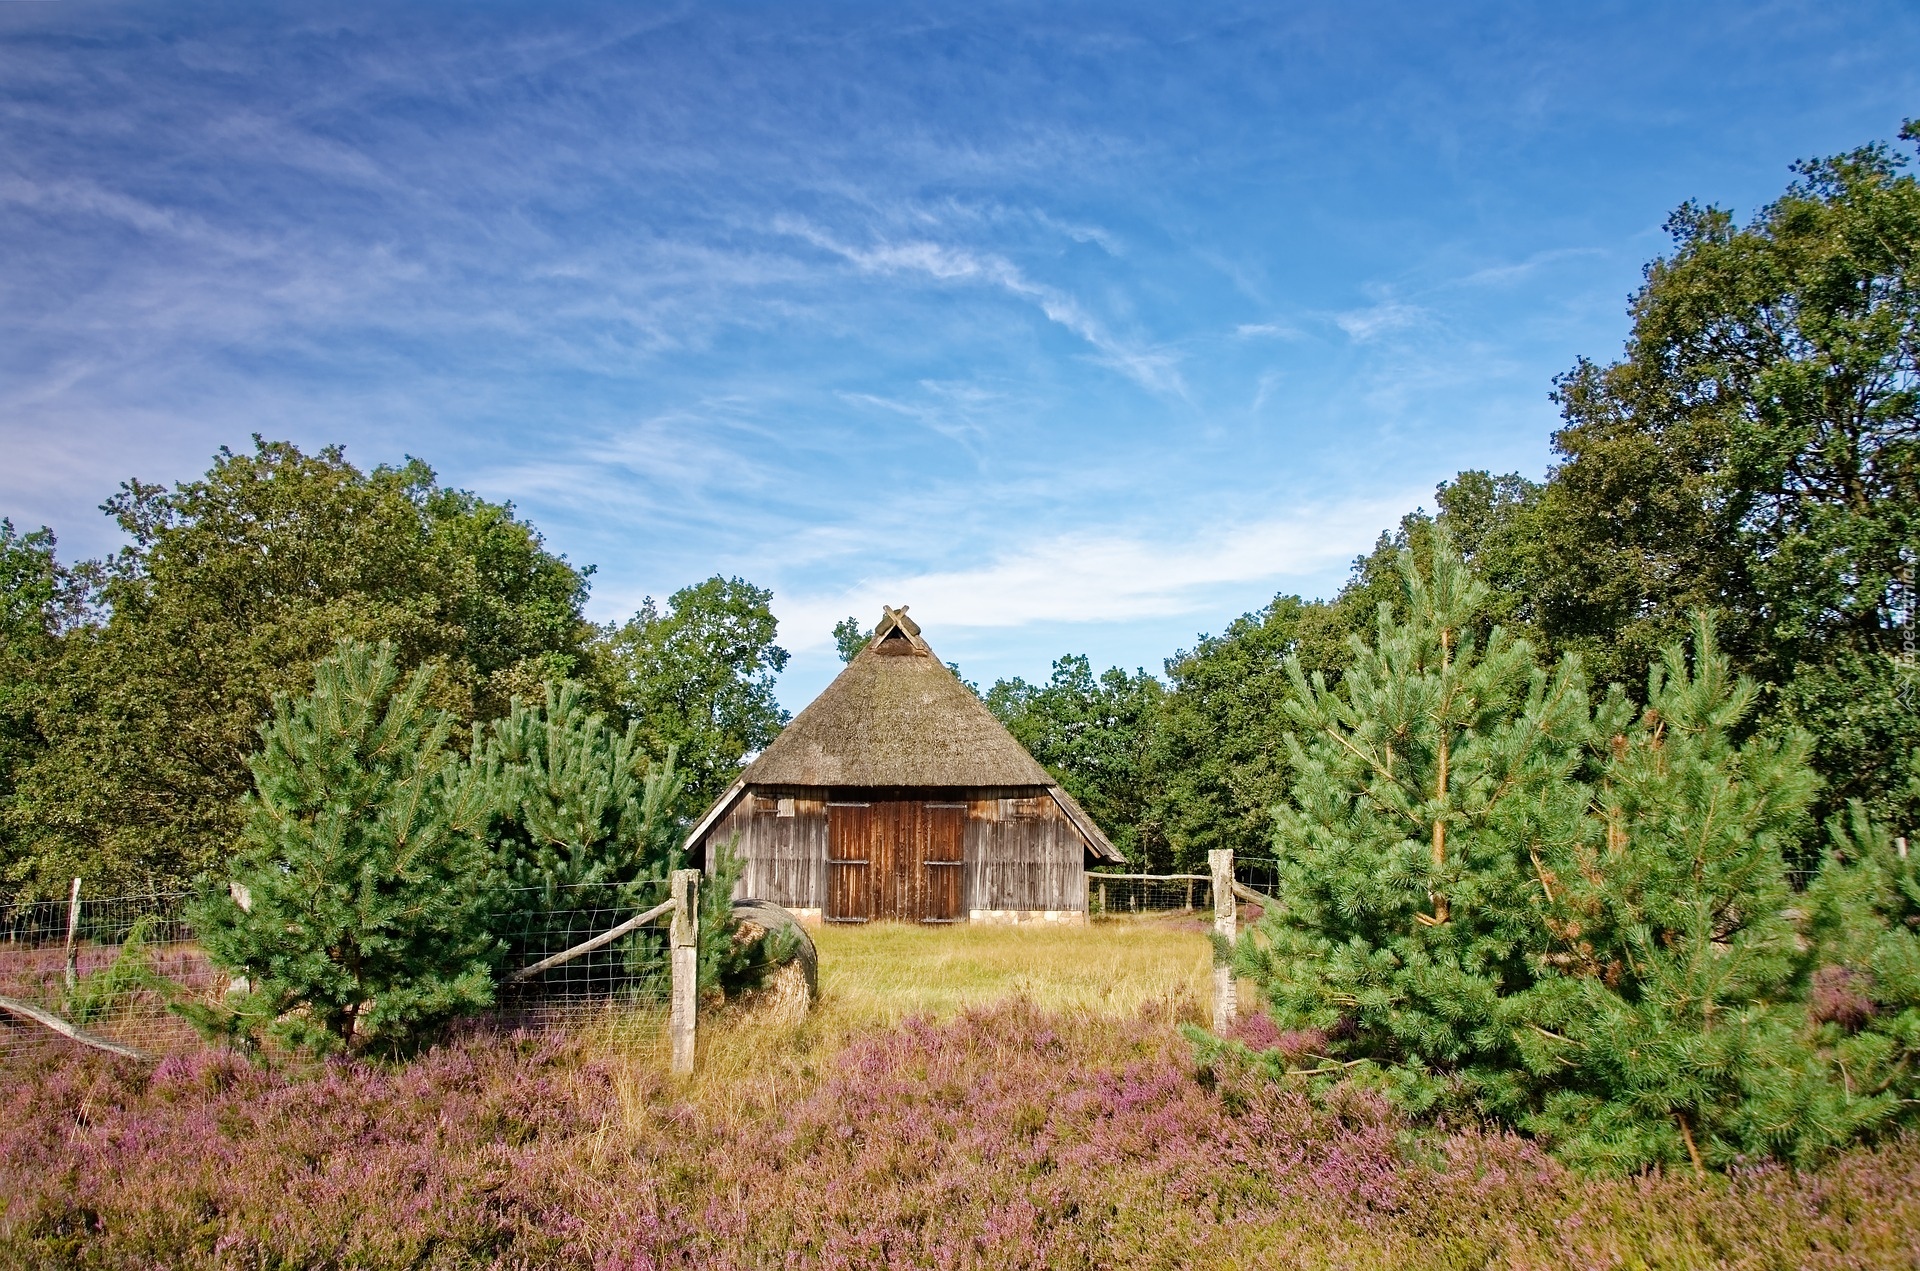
point(791, 981)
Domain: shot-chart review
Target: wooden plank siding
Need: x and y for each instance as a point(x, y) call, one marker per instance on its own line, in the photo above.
point(1023, 854)
point(785, 855)
point(910, 854)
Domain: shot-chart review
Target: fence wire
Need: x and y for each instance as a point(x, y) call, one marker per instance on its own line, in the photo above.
point(1117, 894)
point(112, 969)
point(1111, 895)
point(131, 959)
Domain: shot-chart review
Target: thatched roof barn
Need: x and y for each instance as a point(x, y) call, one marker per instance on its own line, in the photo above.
point(897, 795)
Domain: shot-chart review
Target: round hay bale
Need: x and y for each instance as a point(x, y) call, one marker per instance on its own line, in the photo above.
point(787, 993)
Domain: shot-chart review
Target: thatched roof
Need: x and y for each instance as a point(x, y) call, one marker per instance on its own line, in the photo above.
point(896, 716)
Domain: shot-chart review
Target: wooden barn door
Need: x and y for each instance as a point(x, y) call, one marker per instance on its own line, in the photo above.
point(850, 862)
point(898, 859)
point(942, 867)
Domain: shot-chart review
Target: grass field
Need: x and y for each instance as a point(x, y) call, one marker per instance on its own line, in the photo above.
point(877, 977)
point(984, 1097)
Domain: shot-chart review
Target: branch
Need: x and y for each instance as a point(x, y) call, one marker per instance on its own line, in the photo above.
point(49, 1019)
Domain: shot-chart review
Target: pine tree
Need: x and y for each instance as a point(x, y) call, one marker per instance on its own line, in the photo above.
point(1421, 784)
point(1863, 922)
point(1665, 1027)
point(358, 910)
point(585, 825)
point(1578, 922)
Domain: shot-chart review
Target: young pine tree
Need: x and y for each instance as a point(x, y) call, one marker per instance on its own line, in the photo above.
point(1665, 1026)
point(1423, 784)
point(585, 825)
point(1863, 922)
point(358, 913)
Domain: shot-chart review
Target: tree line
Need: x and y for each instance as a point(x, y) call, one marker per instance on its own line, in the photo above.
point(134, 689)
point(1753, 454)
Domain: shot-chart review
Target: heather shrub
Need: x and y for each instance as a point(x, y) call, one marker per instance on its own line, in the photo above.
point(1008, 1137)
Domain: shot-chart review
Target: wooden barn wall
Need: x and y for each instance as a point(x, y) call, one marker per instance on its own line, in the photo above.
point(786, 856)
point(1022, 853)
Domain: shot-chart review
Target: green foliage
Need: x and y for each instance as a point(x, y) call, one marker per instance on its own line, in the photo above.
point(729, 964)
point(1664, 1026)
point(1756, 452)
point(583, 822)
point(1863, 921)
point(1096, 737)
point(36, 595)
point(130, 972)
point(1421, 781)
point(849, 637)
point(1497, 898)
point(1219, 755)
point(364, 864)
point(232, 587)
point(698, 678)
point(579, 805)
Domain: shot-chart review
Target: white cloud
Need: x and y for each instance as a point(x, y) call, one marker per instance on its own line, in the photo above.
point(1090, 577)
point(1498, 275)
point(1151, 368)
point(1375, 321)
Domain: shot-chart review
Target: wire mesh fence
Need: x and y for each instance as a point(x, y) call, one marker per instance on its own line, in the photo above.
point(117, 967)
point(1258, 873)
point(626, 973)
point(1117, 894)
point(113, 966)
point(1111, 895)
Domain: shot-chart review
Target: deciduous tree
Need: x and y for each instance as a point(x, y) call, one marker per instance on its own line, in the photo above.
point(697, 676)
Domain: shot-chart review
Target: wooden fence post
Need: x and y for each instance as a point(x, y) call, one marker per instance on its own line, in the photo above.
point(684, 940)
point(73, 932)
point(1226, 1004)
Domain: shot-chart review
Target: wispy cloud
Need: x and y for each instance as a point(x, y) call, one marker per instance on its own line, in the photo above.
point(1092, 577)
point(1375, 321)
point(1501, 275)
point(1151, 368)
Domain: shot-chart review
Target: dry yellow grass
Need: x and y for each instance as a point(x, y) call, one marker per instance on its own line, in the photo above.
point(875, 977)
point(879, 975)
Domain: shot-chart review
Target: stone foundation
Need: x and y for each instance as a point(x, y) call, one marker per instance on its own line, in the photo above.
point(1017, 917)
point(990, 917)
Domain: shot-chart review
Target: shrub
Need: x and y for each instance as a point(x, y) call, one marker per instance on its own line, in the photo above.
point(583, 826)
point(359, 908)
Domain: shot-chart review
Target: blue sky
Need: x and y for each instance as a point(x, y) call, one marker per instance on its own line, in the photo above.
point(1077, 328)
